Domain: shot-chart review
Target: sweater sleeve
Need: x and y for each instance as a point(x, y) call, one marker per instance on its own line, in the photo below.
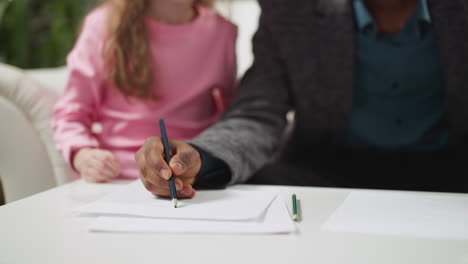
point(76, 110)
point(249, 134)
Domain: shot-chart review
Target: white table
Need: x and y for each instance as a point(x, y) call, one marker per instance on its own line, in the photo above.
point(41, 229)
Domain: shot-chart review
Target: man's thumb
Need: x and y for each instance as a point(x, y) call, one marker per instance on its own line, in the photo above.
point(181, 162)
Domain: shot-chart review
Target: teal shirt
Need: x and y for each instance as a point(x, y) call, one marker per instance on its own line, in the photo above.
point(399, 97)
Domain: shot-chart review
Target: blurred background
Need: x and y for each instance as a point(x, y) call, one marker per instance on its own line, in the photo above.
point(40, 33)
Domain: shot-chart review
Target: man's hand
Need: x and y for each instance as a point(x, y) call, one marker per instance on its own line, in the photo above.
point(96, 165)
point(155, 172)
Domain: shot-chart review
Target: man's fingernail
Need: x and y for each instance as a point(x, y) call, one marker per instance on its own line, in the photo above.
point(186, 191)
point(165, 174)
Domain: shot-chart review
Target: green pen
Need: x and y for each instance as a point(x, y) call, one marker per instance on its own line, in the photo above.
point(294, 204)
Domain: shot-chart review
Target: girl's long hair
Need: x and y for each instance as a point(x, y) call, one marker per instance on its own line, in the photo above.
point(127, 54)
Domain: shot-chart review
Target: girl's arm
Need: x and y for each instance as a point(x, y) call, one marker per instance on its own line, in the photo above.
point(76, 110)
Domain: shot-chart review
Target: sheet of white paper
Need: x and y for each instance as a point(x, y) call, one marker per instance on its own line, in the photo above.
point(275, 220)
point(402, 214)
point(229, 204)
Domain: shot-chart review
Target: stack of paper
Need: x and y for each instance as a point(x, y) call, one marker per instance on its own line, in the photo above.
point(134, 209)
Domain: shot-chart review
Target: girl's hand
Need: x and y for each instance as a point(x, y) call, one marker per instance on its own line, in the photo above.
point(96, 165)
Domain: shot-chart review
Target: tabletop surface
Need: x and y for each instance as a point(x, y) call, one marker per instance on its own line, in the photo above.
point(43, 229)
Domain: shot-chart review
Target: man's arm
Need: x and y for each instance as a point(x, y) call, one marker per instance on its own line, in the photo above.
point(250, 132)
point(243, 141)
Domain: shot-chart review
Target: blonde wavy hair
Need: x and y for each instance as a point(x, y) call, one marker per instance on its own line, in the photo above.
point(127, 53)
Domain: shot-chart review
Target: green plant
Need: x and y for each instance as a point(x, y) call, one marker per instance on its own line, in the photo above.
point(39, 33)
point(3, 6)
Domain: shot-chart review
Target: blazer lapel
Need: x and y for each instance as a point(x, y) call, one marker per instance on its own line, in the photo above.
point(450, 19)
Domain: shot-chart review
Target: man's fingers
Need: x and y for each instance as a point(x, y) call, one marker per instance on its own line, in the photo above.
point(155, 189)
point(153, 155)
point(154, 178)
point(164, 191)
point(186, 192)
point(158, 182)
point(178, 183)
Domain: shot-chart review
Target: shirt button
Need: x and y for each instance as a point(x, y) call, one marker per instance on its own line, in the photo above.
point(96, 128)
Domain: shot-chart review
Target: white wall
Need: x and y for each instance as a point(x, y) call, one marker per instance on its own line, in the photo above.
point(245, 14)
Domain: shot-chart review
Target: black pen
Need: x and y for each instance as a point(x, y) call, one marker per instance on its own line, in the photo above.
point(167, 157)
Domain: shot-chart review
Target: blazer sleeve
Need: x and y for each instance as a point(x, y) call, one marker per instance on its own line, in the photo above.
point(249, 133)
point(231, 68)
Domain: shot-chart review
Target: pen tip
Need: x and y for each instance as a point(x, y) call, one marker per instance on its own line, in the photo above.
point(174, 201)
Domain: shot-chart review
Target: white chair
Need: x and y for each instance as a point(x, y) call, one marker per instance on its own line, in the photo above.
point(29, 162)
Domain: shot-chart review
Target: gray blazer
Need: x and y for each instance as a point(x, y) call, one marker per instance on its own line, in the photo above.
point(304, 61)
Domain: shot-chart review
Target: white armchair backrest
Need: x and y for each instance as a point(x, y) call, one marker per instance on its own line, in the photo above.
point(29, 162)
